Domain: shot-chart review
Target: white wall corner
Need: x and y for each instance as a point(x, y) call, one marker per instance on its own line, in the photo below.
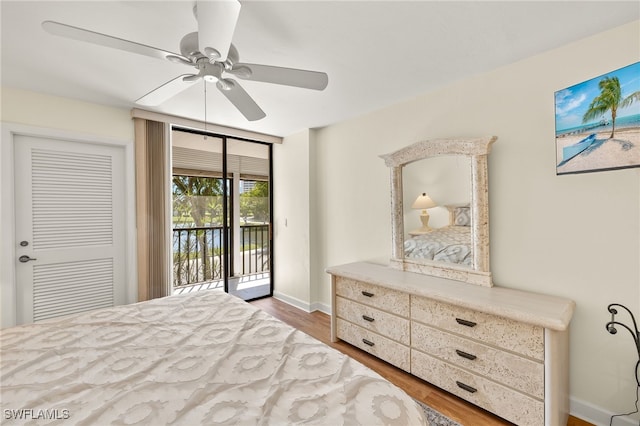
point(322, 307)
point(301, 304)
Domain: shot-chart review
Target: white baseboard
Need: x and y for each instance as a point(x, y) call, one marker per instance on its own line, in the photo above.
point(301, 304)
point(597, 415)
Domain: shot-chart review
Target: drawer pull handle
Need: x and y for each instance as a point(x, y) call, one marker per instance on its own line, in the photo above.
point(366, 293)
point(465, 355)
point(366, 318)
point(465, 322)
point(368, 342)
point(466, 387)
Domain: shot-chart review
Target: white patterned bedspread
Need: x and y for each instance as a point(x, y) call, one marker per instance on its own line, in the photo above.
point(194, 359)
point(451, 244)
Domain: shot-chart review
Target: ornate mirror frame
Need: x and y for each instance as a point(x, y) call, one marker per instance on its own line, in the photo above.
point(478, 150)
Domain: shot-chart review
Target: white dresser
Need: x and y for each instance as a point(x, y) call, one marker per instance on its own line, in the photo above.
point(504, 350)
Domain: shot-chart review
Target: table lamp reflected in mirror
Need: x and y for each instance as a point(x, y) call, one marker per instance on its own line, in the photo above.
point(423, 202)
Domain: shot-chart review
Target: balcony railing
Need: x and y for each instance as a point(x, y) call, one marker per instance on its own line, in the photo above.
point(198, 251)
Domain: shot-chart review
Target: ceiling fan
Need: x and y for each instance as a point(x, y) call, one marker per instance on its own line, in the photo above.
point(210, 52)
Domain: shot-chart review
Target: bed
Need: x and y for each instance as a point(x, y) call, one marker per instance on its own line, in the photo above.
point(451, 244)
point(198, 358)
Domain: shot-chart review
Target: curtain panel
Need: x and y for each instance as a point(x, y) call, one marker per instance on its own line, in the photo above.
point(152, 208)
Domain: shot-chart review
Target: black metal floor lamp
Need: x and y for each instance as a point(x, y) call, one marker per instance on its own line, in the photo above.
point(611, 328)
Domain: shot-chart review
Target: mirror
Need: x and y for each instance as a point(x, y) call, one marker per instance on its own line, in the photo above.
point(439, 230)
point(447, 236)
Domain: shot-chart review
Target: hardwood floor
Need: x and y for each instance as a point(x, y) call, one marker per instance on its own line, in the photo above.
point(317, 325)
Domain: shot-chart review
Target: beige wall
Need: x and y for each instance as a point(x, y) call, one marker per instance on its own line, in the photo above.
point(291, 220)
point(575, 235)
point(41, 110)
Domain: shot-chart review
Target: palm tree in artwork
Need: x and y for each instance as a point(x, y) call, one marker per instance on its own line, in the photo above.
point(610, 98)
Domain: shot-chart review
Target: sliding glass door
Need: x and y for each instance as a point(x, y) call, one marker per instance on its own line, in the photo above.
point(248, 165)
point(221, 215)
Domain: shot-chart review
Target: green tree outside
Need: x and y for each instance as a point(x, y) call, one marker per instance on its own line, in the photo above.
point(197, 202)
point(255, 203)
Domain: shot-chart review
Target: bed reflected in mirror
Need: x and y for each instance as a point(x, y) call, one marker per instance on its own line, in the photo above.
point(437, 212)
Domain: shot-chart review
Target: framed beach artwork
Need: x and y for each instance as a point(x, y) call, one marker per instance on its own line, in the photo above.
point(598, 123)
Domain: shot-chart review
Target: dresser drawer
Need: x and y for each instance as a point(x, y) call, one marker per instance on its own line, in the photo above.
point(515, 336)
point(520, 373)
point(379, 346)
point(372, 295)
point(507, 403)
point(388, 325)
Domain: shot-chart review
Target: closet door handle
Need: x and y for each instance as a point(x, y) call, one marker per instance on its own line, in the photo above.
point(368, 342)
point(366, 293)
point(466, 387)
point(465, 355)
point(366, 318)
point(465, 322)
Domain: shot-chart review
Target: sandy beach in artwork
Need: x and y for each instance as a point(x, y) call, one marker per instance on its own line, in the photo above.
point(621, 151)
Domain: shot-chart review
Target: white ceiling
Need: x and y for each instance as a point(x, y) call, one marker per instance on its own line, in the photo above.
point(376, 53)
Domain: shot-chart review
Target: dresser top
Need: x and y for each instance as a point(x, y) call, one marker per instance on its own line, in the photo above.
point(533, 308)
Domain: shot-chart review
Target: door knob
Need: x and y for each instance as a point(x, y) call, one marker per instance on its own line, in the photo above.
point(25, 258)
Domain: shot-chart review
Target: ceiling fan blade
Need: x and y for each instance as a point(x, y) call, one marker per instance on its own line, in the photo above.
point(240, 99)
point(216, 24)
point(68, 31)
point(166, 91)
point(285, 76)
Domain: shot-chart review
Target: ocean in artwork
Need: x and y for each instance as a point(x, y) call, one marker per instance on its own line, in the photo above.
point(621, 123)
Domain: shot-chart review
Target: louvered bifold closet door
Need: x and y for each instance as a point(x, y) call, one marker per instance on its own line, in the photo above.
point(70, 221)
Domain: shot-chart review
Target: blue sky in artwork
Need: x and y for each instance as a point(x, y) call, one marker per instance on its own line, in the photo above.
point(573, 102)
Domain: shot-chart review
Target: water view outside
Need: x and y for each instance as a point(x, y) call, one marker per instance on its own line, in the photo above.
point(198, 228)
